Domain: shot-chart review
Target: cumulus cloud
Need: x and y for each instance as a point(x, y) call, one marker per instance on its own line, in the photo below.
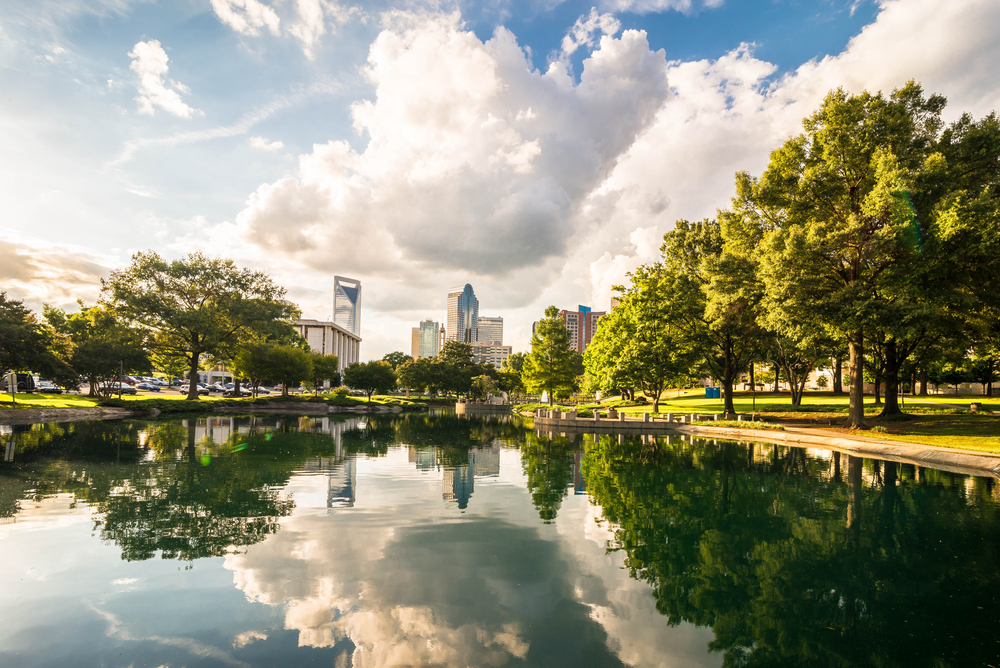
point(265, 145)
point(149, 62)
point(247, 17)
point(586, 27)
point(474, 162)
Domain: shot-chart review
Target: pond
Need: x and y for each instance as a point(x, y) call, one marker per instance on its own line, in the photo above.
point(420, 540)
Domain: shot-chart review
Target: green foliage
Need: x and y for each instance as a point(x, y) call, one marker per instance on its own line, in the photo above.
point(640, 343)
point(324, 368)
point(102, 345)
point(197, 305)
point(289, 365)
point(370, 377)
point(25, 344)
point(550, 366)
point(395, 359)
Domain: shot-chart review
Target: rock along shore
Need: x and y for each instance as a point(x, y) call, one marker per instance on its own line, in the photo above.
point(40, 415)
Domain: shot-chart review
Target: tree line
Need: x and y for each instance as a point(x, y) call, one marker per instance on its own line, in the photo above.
point(871, 238)
point(177, 316)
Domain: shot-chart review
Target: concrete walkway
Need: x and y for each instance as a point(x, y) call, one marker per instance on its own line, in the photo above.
point(966, 462)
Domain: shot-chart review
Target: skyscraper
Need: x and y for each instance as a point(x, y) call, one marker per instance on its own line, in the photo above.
point(463, 315)
point(426, 339)
point(490, 330)
point(347, 304)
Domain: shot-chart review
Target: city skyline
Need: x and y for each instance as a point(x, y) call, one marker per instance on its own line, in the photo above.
point(542, 155)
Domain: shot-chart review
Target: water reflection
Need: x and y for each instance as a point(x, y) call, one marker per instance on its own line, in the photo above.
point(437, 540)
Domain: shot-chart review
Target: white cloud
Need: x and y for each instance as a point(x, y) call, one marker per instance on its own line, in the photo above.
point(654, 6)
point(247, 17)
point(149, 62)
point(586, 27)
point(475, 162)
point(315, 19)
point(265, 145)
point(42, 272)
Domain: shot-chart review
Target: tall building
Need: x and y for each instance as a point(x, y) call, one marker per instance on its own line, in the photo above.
point(490, 330)
point(430, 338)
point(426, 339)
point(347, 304)
point(330, 339)
point(582, 324)
point(463, 315)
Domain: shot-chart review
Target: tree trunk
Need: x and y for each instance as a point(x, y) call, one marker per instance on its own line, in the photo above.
point(892, 364)
point(193, 378)
point(729, 372)
point(923, 382)
point(878, 389)
point(856, 412)
point(777, 377)
point(854, 499)
point(988, 390)
point(236, 385)
point(838, 376)
point(93, 383)
point(753, 387)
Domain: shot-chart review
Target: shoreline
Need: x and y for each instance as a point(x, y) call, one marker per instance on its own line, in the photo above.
point(27, 416)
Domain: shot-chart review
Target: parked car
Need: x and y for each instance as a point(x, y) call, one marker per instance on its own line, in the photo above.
point(123, 389)
point(148, 387)
point(48, 387)
point(263, 390)
point(242, 393)
point(215, 387)
point(25, 383)
point(176, 382)
point(201, 389)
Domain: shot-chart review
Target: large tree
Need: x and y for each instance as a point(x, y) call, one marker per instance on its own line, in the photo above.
point(639, 343)
point(198, 305)
point(840, 244)
point(24, 342)
point(550, 366)
point(370, 377)
point(325, 368)
point(714, 293)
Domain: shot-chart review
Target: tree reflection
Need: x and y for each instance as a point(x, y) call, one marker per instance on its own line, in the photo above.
point(548, 464)
point(792, 566)
point(171, 487)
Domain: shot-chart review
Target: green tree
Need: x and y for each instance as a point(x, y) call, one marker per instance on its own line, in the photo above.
point(395, 359)
point(550, 365)
point(288, 364)
point(324, 368)
point(514, 362)
point(639, 343)
point(867, 228)
point(371, 377)
point(454, 352)
point(24, 343)
point(103, 345)
point(714, 293)
point(197, 305)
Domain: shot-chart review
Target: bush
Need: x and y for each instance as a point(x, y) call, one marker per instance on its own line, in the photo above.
point(879, 429)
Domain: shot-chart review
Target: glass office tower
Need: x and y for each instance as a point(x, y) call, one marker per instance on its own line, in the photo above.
point(463, 315)
point(347, 304)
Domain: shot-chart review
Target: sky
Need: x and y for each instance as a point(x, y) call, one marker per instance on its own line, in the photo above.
point(537, 150)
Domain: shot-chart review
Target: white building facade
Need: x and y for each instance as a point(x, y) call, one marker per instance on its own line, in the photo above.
point(330, 339)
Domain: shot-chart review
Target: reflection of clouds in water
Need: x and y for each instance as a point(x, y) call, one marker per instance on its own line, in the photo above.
point(409, 583)
point(337, 582)
point(247, 637)
point(117, 630)
point(625, 607)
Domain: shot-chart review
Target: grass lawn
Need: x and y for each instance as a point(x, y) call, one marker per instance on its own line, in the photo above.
point(950, 430)
point(926, 423)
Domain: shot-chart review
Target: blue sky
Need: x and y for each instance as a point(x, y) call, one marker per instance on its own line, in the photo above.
point(420, 145)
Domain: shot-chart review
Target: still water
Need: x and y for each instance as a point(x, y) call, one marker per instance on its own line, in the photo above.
point(435, 540)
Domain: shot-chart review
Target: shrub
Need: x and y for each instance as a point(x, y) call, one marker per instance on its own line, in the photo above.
point(748, 424)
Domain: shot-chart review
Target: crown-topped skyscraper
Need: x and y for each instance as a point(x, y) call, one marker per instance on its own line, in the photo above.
point(463, 315)
point(347, 304)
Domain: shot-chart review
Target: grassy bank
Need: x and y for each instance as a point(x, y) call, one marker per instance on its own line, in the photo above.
point(176, 402)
